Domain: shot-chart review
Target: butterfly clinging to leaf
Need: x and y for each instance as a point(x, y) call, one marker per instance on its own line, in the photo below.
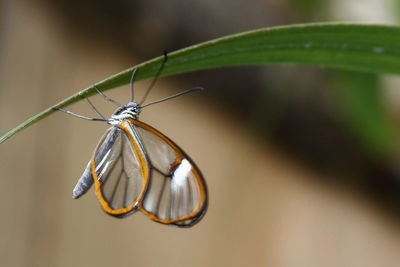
point(135, 167)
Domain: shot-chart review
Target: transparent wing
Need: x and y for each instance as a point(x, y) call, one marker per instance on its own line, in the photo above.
point(120, 172)
point(177, 193)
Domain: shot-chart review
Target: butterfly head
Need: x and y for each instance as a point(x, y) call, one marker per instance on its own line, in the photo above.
point(130, 111)
point(133, 107)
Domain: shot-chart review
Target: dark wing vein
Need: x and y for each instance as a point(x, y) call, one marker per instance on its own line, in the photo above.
point(160, 196)
point(116, 186)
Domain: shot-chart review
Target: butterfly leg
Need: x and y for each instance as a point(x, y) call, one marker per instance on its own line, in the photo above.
point(85, 117)
point(107, 98)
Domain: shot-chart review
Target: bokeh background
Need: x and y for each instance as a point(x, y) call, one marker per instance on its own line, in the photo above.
point(302, 163)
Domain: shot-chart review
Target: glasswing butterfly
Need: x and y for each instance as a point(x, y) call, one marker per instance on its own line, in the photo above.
point(135, 167)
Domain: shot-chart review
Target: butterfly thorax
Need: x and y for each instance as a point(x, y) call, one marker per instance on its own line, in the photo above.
point(130, 111)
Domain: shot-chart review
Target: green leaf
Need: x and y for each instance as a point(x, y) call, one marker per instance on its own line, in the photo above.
point(361, 106)
point(371, 48)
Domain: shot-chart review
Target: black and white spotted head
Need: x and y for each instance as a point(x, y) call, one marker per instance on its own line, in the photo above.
point(129, 111)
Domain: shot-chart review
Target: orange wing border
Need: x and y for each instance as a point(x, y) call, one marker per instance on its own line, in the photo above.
point(145, 173)
point(198, 213)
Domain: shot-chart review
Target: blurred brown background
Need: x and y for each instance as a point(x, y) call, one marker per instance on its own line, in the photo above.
point(302, 163)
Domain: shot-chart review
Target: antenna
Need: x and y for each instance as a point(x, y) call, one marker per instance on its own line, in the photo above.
point(175, 95)
point(155, 78)
point(132, 79)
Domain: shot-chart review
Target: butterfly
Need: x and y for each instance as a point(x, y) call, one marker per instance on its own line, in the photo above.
point(136, 167)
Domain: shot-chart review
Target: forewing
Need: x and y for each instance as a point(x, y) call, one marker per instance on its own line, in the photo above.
point(119, 172)
point(177, 193)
